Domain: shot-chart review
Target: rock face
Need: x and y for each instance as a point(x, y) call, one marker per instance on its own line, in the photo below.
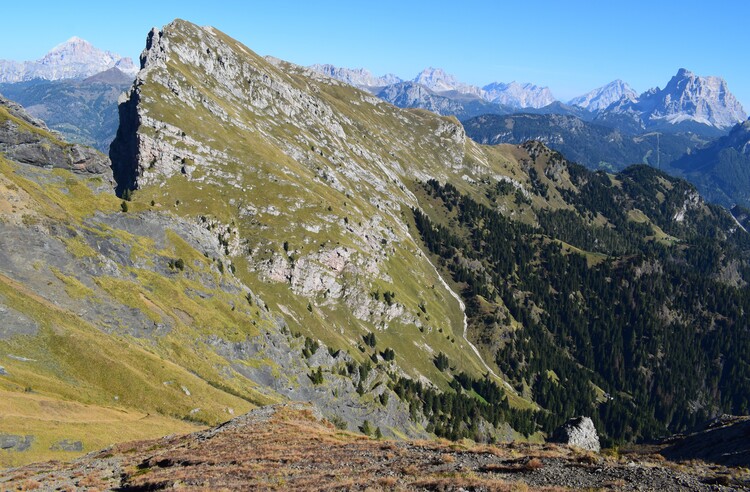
point(579, 432)
point(73, 59)
point(413, 95)
point(317, 209)
point(686, 99)
point(20, 142)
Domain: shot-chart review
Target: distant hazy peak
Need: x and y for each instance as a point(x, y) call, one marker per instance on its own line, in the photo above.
point(359, 77)
point(438, 80)
point(518, 95)
point(602, 97)
point(75, 58)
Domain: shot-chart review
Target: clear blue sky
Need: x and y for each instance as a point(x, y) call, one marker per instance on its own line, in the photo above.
point(571, 46)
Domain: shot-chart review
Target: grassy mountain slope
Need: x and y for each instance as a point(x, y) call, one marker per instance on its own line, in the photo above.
point(272, 242)
point(313, 185)
point(312, 178)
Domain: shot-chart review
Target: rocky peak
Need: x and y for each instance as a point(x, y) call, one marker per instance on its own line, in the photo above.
point(298, 159)
point(703, 99)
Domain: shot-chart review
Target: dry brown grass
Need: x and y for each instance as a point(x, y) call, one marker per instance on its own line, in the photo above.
point(523, 465)
point(447, 458)
point(289, 453)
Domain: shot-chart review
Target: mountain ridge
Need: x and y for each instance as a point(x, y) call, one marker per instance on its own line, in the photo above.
point(280, 235)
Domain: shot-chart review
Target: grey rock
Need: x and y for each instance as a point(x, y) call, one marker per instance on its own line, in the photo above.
point(12, 442)
point(67, 445)
point(687, 98)
point(3, 372)
point(579, 432)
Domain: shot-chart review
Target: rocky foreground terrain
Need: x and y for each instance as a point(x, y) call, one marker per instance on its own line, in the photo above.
point(290, 447)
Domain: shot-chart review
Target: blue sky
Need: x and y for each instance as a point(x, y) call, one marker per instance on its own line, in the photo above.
point(571, 46)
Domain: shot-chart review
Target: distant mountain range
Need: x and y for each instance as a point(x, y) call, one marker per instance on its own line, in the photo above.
point(73, 88)
point(84, 111)
point(594, 145)
point(440, 83)
point(688, 102)
point(76, 58)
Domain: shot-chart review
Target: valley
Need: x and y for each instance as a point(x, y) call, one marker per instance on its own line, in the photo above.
point(262, 233)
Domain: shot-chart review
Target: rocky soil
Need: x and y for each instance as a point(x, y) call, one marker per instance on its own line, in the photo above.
point(290, 447)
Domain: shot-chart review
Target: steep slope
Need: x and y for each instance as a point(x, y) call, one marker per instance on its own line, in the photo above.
point(76, 58)
point(721, 170)
point(83, 111)
point(322, 189)
point(119, 320)
point(311, 179)
point(283, 235)
point(605, 306)
point(593, 145)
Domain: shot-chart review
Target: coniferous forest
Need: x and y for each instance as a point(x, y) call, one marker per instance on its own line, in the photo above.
point(642, 325)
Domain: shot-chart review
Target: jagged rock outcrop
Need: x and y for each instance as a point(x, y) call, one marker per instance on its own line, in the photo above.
point(579, 432)
point(20, 142)
point(12, 442)
point(437, 91)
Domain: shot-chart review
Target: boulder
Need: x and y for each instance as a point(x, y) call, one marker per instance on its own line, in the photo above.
point(12, 442)
point(579, 432)
point(67, 445)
